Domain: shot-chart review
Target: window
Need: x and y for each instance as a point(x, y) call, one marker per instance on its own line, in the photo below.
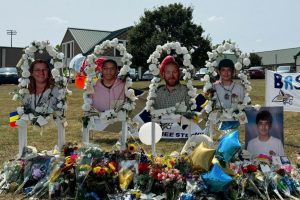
point(68, 50)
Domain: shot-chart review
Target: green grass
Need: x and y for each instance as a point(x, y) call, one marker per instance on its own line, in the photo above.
point(46, 141)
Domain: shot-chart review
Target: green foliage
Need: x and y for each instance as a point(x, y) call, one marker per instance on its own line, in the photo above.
point(255, 60)
point(167, 24)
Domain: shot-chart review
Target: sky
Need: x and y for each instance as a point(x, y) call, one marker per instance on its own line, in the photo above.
point(255, 25)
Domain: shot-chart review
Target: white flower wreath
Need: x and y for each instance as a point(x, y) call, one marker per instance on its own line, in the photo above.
point(115, 114)
point(154, 69)
point(42, 113)
point(216, 115)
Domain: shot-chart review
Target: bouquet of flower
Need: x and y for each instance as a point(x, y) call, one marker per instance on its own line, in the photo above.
point(171, 179)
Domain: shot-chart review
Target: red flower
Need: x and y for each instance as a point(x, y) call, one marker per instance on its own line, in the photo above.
point(249, 168)
point(143, 167)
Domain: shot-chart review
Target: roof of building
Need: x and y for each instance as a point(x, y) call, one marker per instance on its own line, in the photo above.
point(280, 56)
point(111, 36)
point(87, 38)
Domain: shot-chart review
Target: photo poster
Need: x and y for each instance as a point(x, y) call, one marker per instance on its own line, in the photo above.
point(277, 123)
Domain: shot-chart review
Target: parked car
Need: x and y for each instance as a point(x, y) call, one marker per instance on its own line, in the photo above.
point(147, 76)
point(8, 75)
point(200, 73)
point(283, 69)
point(256, 72)
point(133, 74)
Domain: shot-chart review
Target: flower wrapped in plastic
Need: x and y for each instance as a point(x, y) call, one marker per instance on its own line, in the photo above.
point(128, 170)
point(12, 175)
point(36, 169)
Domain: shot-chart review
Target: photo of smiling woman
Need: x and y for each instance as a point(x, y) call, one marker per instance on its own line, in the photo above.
point(264, 131)
point(42, 91)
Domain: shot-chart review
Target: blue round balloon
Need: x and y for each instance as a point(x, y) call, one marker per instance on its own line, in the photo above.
point(216, 180)
point(228, 146)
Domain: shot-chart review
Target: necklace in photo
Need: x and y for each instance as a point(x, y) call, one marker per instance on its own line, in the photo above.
point(227, 92)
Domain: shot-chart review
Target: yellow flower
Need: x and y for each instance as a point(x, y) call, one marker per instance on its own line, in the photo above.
point(96, 170)
point(132, 148)
point(85, 167)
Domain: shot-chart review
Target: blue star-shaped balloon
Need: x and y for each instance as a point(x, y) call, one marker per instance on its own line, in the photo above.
point(228, 146)
point(216, 180)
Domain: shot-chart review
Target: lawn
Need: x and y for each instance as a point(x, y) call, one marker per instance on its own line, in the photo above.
point(45, 139)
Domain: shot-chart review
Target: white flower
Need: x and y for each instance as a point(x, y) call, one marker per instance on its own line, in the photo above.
point(214, 63)
point(32, 49)
point(24, 82)
point(220, 49)
point(55, 72)
point(24, 56)
point(58, 65)
point(208, 64)
point(60, 56)
point(227, 46)
point(210, 55)
point(206, 77)
point(246, 100)
point(246, 61)
point(248, 88)
point(155, 72)
point(25, 74)
point(185, 51)
point(186, 62)
point(238, 66)
point(152, 67)
point(20, 111)
point(130, 93)
point(187, 57)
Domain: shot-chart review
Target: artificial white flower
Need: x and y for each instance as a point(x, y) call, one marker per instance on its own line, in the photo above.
point(220, 49)
point(206, 77)
point(32, 49)
point(60, 56)
point(155, 72)
point(227, 46)
point(58, 65)
point(26, 74)
point(210, 55)
point(152, 67)
point(24, 56)
point(238, 66)
point(24, 82)
point(246, 100)
point(246, 61)
point(55, 72)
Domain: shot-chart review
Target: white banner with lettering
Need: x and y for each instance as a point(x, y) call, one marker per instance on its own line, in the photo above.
point(283, 89)
point(173, 126)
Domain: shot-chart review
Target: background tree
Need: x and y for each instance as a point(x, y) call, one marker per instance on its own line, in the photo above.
point(255, 60)
point(163, 24)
